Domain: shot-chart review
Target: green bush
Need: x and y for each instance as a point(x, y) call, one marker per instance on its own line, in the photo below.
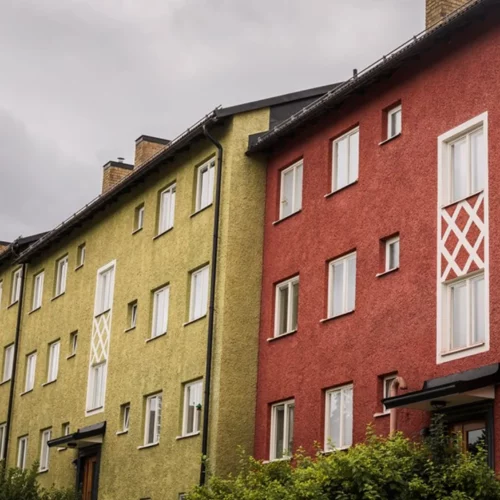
point(378, 469)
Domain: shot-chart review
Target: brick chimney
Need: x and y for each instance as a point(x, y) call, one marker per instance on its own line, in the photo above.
point(437, 10)
point(3, 246)
point(146, 147)
point(113, 173)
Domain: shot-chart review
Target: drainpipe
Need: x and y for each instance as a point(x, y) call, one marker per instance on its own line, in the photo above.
point(397, 383)
point(211, 308)
point(14, 361)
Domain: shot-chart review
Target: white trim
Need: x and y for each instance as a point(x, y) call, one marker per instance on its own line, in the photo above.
point(345, 291)
point(292, 168)
point(158, 397)
point(44, 450)
point(210, 167)
point(21, 460)
point(8, 362)
point(154, 323)
point(341, 390)
point(197, 413)
point(53, 361)
point(29, 378)
point(388, 243)
point(334, 143)
point(38, 280)
point(390, 112)
point(289, 403)
point(15, 286)
point(61, 275)
point(204, 294)
point(125, 418)
point(81, 254)
point(3, 428)
point(289, 283)
point(166, 211)
point(386, 394)
point(139, 217)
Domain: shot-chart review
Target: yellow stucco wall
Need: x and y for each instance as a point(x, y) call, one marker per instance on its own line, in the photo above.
point(138, 368)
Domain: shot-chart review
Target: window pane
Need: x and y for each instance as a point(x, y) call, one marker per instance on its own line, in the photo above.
point(338, 288)
point(283, 309)
point(478, 310)
point(334, 418)
point(459, 315)
point(287, 194)
point(297, 205)
point(211, 178)
point(353, 156)
point(478, 160)
point(394, 255)
point(351, 283)
point(295, 305)
point(151, 420)
point(291, 416)
point(279, 429)
point(341, 163)
point(459, 169)
point(347, 417)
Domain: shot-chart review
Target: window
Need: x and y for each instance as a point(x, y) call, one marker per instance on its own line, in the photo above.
point(466, 313)
point(160, 311)
point(205, 185)
point(3, 428)
point(80, 255)
point(132, 314)
point(37, 290)
point(125, 417)
point(53, 367)
point(338, 419)
point(282, 418)
point(153, 419)
point(394, 121)
point(61, 275)
point(167, 209)
point(29, 382)
point(182, 496)
point(192, 408)
point(291, 190)
point(345, 160)
point(16, 285)
point(392, 253)
point(104, 293)
point(199, 294)
point(287, 302)
point(473, 435)
point(139, 217)
point(8, 362)
point(386, 389)
point(342, 285)
point(97, 386)
point(65, 429)
point(73, 343)
point(44, 450)
point(22, 452)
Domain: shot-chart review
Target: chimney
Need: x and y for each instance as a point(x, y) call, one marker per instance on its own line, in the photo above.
point(146, 147)
point(436, 11)
point(113, 173)
point(3, 246)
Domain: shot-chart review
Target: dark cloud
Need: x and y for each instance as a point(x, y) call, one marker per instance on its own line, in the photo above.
point(80, 80)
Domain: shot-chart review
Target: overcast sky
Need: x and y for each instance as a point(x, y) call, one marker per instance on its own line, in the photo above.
point(80, 80)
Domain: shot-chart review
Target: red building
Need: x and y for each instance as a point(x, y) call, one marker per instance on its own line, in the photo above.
point(382, 248)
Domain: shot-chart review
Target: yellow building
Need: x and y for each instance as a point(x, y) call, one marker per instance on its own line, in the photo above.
point(137, 348)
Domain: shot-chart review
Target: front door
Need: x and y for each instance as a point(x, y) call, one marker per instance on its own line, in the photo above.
point(89, 478)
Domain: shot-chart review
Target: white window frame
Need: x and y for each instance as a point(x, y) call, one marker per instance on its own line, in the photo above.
point(80, 255)
point(155, 330)
point(133, 315)
point(283, 201)
point(125, 414)
point(166, 212)
point(105, 289)
point(327, 444)
point(390, 113)
point(157, 420)
point(139, 217)
point(22, 452)
point(197, 414)
point(45, 450)
point(3, 430)
point(66, 429)
point(335, 143)
point(345, 290)
point(200, 186)
point(61, 275)
point(388, 243)
point(202, 295)
point(38, 280)
point(286, 454)
point(8, 362)
point(17, 277)
point(29, 381)
point(73, 337)
point(96, 393)
point(53, 364)
point(288, 284)
point(386, 390)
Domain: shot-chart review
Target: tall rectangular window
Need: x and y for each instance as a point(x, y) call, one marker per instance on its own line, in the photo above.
point(199, 293)
point(97, 385)
point(15, 292)
point(153, 419)
point(287, 303)
point(192, 408)
point(139, 217)
point(37, 290)
point(125, 417)
point(29, 381)
point(291, 190)
point(8, 362)
point(386, 389)
point(65, 429)
point(342, 285)
point(345, 159)
point(53, 366)
point(80, 255)
point(132, 314)
point(338, 419)
point(394, 121)
point(282, 420)
point(205, 185)
point(104, 293)
point(22, 452)
point(73, 343)
point(392, 253)
point(61, 275)
point(44, 450)
point(2, 440)
point(160, 311)
point(167, 209)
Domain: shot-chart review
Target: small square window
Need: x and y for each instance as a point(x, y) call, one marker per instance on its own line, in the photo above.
point(282, 423)
point(205, 185)
point(80, 255)
point(125, 417)
point(291, 190)
point(394, 121)
point(392, 253)
point(345, 156)
point(139, 217)
point(132, 315)
point(73, 343)
point(287, 304)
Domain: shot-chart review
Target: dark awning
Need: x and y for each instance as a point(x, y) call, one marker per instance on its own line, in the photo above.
point(86, 436)
point(460, 388)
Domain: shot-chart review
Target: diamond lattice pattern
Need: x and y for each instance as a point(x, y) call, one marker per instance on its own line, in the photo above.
point(100, 338)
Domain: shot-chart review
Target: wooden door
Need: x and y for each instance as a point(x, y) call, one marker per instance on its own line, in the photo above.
point(89, 478)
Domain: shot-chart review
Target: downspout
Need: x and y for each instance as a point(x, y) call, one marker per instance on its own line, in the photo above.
point(397, 383)
point(14, 362)
point(211, 309)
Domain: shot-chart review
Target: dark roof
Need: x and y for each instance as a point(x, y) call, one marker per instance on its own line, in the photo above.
point(83, 433)
point(386, 65)
point(5, 243)
point(17, 246)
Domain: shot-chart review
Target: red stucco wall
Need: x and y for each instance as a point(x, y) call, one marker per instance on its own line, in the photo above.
point(394, 325)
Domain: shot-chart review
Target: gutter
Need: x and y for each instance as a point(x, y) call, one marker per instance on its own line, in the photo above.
point(211, 309)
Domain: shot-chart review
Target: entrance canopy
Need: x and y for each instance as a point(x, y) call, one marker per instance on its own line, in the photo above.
point(86, 436)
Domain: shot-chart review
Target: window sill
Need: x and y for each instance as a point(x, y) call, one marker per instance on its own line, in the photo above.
point(12, 304)
point(102, 312)
point(385, 273)
point(333, 450)
point(338, 316)
point(162, 233)
point(94, 411)
point(194, 320)
point(57, 296)
point(35, 310)
point(45, 384)
point(25, 392)
point(138, 230)
point(389, 139)
point(144, 446)
point(279, 221)
point(186, 436)
point(200, 210)
point(462, 349)
point(129, 329)
point(43, 471)
point(71, 356)
point(341, 189)
point(4, 381)
point(382, 414)
point(121, 433)
point(154, 338)
point(456, 202)
point(287, 334)
point(284, 459)
point(78, 267)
